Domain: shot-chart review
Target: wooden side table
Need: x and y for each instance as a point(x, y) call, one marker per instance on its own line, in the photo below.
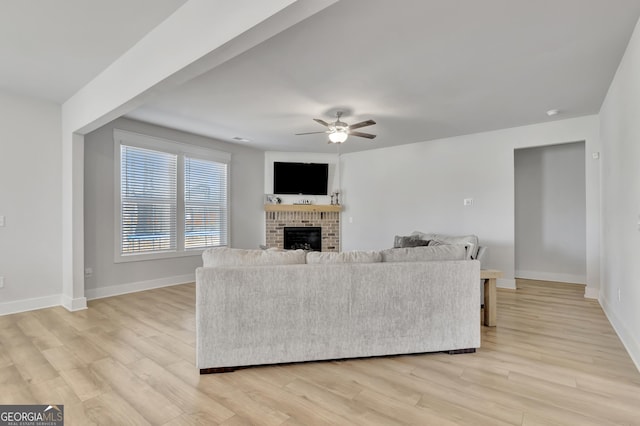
point(490, 308)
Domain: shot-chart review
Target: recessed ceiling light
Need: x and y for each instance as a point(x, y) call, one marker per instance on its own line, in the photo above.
point(552, 112)
point(239, 139)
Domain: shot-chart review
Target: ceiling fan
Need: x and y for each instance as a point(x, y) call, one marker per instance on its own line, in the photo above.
point(338, 131)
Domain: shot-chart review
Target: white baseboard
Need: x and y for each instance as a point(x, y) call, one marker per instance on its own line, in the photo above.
point(552, 276)
point(626, 337)
point(24, 305)
point(506, 283)
point(80, 303)
point(72, 305)
point(116, 290)
point(591, 292)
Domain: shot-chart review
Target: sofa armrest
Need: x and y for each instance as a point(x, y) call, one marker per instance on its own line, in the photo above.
point(482, 254)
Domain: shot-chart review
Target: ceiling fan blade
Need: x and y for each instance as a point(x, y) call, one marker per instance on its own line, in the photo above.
point(309, 133)
point(324, 123)
point(362, 124)
point(362, 135)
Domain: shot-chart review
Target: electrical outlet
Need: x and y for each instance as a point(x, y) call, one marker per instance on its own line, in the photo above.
point(88, 272)
point(1, 282)
point(468, 202)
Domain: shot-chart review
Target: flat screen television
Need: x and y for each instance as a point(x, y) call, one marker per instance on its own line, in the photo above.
point(300, 178)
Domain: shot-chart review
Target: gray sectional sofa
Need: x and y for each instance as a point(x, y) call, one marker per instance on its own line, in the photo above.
point(258, 307)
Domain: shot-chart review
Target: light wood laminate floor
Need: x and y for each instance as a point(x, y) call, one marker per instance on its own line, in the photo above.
point(553, 359)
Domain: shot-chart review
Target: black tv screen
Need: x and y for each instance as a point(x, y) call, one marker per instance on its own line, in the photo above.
point(300, 178)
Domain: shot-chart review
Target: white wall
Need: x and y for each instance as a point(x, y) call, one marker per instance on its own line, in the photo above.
point(620, 135)
point(246, 213)
point(198, 37)
point(30, 192)
point(550, 201)
point(394, 191)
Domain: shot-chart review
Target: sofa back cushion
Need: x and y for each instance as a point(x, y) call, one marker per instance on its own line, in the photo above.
point(471, 241)
point(223, 256)
point(409, 241)
point(344, 257)
point(468, 247)
point(422, 254)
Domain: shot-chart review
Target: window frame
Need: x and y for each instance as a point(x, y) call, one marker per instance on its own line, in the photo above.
point(181, 149)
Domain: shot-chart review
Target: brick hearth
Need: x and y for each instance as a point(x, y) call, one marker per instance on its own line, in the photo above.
point(329, 221)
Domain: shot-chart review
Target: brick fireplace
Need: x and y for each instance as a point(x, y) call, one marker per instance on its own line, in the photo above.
point(279, 216)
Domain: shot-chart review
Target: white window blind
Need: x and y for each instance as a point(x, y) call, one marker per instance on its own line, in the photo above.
point(205, 203)
point(148, 200)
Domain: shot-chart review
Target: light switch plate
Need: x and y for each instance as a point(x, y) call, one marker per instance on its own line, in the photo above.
point(468, 202)
point(1, 221)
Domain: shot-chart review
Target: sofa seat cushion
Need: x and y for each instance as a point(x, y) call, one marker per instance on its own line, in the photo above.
point(355, 256)
point(223, 256)
point(422, 254)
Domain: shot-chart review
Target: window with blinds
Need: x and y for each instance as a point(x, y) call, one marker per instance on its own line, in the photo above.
point(172, 198)
point(205, 203)
point(148, 200)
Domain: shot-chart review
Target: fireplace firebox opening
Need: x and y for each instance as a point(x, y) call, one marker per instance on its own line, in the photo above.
point(305, 238)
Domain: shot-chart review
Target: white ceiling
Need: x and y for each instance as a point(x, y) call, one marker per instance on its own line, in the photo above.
point(51, 49)
point(423, 69)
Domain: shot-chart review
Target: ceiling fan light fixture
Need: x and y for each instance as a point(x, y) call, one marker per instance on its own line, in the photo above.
point(339, 131)
point(338, 136)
